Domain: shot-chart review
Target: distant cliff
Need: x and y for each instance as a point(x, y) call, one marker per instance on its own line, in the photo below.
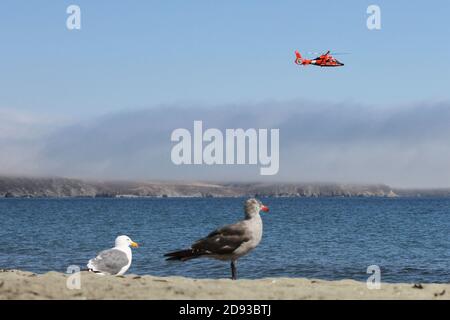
point(64, 187)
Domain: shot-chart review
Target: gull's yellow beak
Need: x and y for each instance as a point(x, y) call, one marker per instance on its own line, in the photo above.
point(134, 244)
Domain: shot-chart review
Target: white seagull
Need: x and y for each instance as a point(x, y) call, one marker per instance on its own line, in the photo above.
point(230, 242)
point(114, 261)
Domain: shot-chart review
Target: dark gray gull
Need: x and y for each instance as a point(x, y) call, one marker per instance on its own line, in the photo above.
point(230, 242)
point(114, 261)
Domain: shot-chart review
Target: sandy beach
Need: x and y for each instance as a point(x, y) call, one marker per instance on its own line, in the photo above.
point(16, 284)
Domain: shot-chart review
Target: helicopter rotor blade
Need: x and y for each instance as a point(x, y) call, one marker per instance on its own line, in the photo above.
point(332, 53)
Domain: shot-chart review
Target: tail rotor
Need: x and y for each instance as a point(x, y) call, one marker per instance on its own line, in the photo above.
point(298, 58)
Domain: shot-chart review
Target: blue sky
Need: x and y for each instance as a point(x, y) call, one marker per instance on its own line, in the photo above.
point(102, 102)
point(140, 54)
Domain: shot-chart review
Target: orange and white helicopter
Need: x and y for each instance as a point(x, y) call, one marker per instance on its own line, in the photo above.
point(324, 60)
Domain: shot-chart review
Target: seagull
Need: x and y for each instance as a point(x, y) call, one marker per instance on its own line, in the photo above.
point(114, 261)
point(230, 242)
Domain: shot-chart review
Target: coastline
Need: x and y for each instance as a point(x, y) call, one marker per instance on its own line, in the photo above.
point(17, 285)
point(57, 187)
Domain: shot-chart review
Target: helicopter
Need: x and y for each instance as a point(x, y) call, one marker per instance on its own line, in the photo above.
point(323, 60)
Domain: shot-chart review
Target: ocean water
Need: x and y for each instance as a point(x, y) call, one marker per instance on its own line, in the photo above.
point(325, 238)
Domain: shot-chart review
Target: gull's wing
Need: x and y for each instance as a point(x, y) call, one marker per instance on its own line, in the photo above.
point(223, 240)
point(109, 261)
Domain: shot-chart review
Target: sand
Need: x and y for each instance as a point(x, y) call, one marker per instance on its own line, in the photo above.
point(15, 284)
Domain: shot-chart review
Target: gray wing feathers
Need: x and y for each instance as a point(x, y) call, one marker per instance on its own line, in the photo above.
point(223, 240)
point(110, 261)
